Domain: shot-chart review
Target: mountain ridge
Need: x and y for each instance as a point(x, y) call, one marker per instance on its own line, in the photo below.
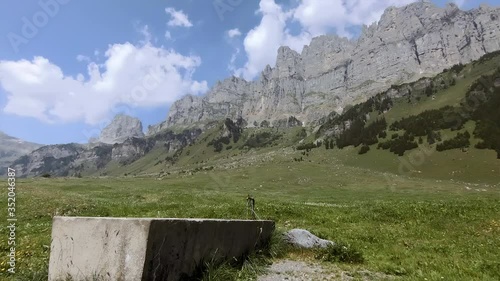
point(12, 148)
point(226, 144)
point(408, 43)
point(217, 121)
point(120, 129)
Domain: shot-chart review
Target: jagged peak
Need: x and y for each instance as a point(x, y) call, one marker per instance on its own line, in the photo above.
point(418, 4)
point(319, 40)
point(266, 73)
point(285, 50)
point(188, 97)
point(121, 127)
point(333, 64)
point(368, 30)
point(230, 79)
point(122, 115)
point(451, 8)
point(228, 82)
point(284, 54)
point(417, 8)
point(452, 5)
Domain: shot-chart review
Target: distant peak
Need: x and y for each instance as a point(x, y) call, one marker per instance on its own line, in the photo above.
point(285, 50)
point(123, 116)
point(122, 127)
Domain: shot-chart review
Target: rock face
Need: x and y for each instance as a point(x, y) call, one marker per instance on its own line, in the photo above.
point(121, 128)
point(12, 148)
point(407, 43)
point(76, 159)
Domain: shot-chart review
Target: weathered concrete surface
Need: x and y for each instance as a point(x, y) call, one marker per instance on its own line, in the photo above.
point(147, 248)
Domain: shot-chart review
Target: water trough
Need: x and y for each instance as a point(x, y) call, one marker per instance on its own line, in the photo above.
point(85, 248)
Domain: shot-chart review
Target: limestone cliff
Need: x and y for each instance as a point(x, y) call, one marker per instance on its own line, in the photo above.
point(407, 43)
point(121, 128)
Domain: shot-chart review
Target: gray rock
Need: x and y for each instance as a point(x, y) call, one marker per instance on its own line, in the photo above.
point(121, 128)
point(11, 149)
point(50, 159)
point(302, 238)
point(407, 43)
point(76, 159)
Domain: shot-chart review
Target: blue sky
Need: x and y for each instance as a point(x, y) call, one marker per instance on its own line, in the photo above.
point(67, 66)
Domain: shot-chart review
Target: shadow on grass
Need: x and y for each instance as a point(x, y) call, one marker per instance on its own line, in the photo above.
point(247, 267)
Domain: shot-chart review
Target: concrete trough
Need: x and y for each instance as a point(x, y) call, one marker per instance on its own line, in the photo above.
point(85, 248)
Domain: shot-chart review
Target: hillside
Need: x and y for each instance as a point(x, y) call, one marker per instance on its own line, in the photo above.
point(97, 158)
point(12, 148)
point(419, 137)
point(435, 127)
point(370, 153)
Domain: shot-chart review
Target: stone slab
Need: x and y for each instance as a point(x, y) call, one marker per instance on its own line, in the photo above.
point(85, 248)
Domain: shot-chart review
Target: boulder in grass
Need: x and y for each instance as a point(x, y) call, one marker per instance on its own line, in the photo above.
point(302, 238)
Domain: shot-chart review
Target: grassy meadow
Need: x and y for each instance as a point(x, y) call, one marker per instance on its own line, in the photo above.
point(410, 228)
point(425, 216)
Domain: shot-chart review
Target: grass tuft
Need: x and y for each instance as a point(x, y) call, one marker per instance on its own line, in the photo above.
point(340, 252)
point(251, 266)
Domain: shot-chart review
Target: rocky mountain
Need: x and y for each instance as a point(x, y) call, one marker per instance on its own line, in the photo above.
point(306, 89)
point(12, 148)
point(121, 142)
point(120, 129)
point(88, 159)
point(407, 43)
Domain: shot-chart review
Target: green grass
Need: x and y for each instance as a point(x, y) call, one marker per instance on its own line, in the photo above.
point(413, 227)
point(472, 166)
point(451, 96)
point(436, 218)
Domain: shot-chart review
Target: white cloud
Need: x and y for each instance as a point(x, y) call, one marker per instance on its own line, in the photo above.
point(178, 18)
point(232, 62)
point(262, 42)
point(315, 17)
point(234, 33)
point(134, 76)
point(146, 34)
point(168, 35)
point(460, 3)
point(319, 16)
point(82, 58)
